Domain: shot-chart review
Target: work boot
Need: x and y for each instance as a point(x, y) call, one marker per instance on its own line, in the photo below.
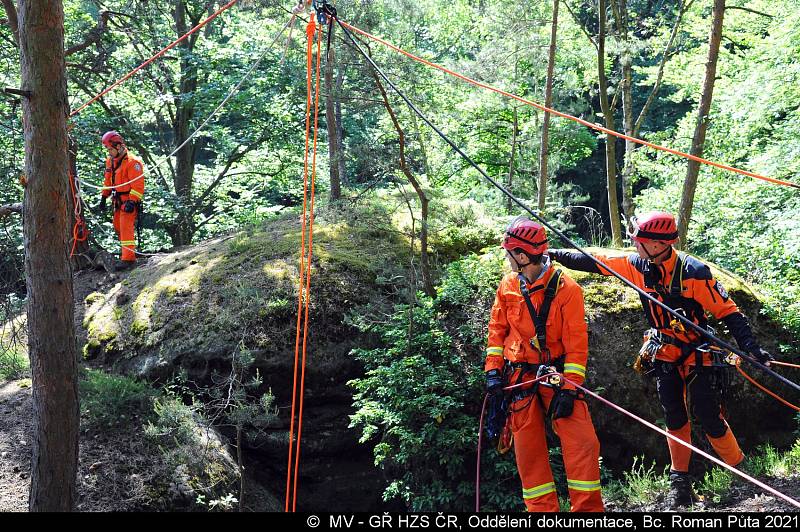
point(680, 491)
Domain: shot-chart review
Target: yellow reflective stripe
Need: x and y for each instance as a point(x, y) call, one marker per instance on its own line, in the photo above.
point(494, 351)
point(538, 491)
point(575, 368)
point(127, 242)
point(583, 485)
point(135, 193)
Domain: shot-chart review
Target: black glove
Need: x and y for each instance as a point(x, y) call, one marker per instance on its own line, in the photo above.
point(555, 254)
point(494, 381)
point(762, 355)
point(102, 205)
point(563, 403)
point(129, 206)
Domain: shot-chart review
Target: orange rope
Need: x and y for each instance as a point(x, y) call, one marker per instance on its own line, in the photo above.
point(775, 362)
point(308, 271)
point(305, 268)
point(570, 117)
point(153, 58)
point(757, 385)
point(79, 232)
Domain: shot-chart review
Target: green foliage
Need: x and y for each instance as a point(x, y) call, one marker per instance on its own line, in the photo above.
point(13, 363)
point(770, 462)
point(716, 484)
point(419, 401)
point(640, 486)
point(109, 401)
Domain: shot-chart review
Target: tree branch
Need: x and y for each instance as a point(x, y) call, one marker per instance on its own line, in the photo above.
point(13, 21)
point(5, 210)
point(581, 26)
point(92, 37)
point(750, 11)
point(653, 93)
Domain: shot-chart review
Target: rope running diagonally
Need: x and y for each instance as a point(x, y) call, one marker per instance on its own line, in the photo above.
point(153, 58)
point(693, 326)
point(586, 123)
point(219, 107)
point(643, 422)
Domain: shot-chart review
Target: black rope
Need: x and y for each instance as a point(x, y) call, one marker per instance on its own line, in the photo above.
point(704, 333)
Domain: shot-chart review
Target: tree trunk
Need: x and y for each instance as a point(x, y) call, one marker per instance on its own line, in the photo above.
point(626, 61)
point(427, 280)
point(548, 101)
point(699, 139)
point(512, 159)
point(48, 273)
point(608, 114)
point(184, 112)
point(339, 129)
point(330, 118)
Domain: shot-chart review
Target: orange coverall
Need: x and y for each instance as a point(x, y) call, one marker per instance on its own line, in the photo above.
point(511, 331)
point(121, 171)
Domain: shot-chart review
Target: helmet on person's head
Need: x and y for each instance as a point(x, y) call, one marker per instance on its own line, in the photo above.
point(526, 235)
point(112, 139)
point(654, 226)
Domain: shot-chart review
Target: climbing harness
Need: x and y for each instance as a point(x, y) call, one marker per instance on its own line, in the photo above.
point(540, 318)
point(682, 319)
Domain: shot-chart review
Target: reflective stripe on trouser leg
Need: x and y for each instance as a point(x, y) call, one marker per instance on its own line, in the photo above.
point(680, 455)
point(581, 452)
point(727, 448)
point(127, 235)
point(533, 461)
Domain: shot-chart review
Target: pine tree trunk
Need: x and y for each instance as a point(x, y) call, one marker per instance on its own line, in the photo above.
point(48, 272)
point(548, 101)
point(339, 129)
point(699, 139)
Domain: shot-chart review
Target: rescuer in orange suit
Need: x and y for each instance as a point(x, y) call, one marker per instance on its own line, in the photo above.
point(670, 352)
point(125, 174)
point(516, 350)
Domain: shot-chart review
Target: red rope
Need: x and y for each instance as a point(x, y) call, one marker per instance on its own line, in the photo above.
point(570, 117)
point(304, 284)
point(649, 425)
point(153, 58)
point(690, 446)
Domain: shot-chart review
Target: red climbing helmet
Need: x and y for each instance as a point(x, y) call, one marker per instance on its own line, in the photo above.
point(527, 235)
point(654, 226)
point(111, 139)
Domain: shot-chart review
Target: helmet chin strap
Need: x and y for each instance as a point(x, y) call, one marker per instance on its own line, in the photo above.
point(519, 266)
point(652, 258)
